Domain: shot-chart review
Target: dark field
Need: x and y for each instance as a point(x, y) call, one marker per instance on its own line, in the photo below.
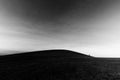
point(58, 65)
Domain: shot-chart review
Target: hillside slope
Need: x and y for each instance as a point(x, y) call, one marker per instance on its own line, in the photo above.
point(54, 65)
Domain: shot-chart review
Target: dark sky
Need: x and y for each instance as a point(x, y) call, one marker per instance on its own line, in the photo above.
point(87, 26)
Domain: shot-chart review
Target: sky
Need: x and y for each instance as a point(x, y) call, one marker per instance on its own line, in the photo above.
point(98, 35)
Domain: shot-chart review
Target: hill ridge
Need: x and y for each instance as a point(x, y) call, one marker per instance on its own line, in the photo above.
point(53, 52)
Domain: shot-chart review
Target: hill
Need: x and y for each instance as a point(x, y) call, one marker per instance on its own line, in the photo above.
point(54, 65)
point(54, 52)
point(44, 54)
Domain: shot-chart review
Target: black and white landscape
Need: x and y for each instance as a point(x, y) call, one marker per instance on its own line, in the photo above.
point(59, 40)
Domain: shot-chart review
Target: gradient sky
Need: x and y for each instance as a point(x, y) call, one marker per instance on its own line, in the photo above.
point(98, 36)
